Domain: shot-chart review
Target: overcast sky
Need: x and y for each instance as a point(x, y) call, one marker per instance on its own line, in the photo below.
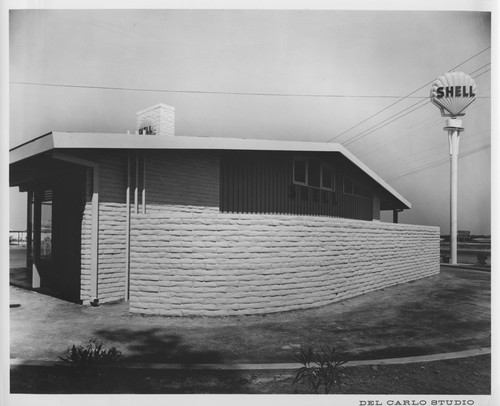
point(360, 78)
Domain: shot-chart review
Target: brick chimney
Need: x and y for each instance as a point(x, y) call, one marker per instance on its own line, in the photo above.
point(156, 120)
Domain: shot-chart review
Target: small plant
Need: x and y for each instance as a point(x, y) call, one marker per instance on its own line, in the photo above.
point(91, 355)
point(324, 368)
point(445, 258)
point(481, 258)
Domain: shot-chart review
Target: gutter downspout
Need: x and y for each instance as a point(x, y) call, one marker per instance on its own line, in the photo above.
point(127, 234)
point(94, 249)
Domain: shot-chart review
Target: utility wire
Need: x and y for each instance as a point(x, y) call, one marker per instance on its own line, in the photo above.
point(387, 122)
point(211, 92)
point(374, 128)
point(404, 98)
point(235, 93)
point(426, 125)
point(437, 149)
point(438, 163)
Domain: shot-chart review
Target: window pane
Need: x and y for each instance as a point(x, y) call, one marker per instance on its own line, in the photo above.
point(46, 231)
point(327, 178)
point(314, 172)
point(299, 171)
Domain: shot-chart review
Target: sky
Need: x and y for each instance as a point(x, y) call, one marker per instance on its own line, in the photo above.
point(359, 78)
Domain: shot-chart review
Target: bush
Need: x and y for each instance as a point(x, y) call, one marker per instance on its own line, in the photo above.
point(323, 368)
point(445, 259)
point(481, 258)
point(91, 355)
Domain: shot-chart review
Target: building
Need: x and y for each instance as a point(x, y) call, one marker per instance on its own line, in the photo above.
point(181, 225)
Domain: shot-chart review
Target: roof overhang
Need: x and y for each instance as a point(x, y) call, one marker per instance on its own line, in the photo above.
point(70, 140)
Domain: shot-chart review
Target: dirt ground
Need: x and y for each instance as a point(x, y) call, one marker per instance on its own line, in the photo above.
point(466, 376)
point(443, 313)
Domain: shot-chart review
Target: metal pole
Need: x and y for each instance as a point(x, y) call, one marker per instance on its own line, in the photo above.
point(136, 191)
point(143, 183)
point(454, 128)
point(127, 233)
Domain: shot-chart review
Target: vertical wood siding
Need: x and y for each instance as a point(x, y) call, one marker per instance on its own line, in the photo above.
point(262, 182)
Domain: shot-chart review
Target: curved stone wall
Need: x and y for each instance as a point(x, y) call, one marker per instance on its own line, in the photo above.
point(198, 261)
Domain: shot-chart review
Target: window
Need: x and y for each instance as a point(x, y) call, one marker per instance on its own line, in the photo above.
point(327, 177)
point(313, 172)
point(300, 171)
point(355, 189)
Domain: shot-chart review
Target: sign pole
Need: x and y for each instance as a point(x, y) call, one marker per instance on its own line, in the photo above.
point(453, 126)
point(453, 92)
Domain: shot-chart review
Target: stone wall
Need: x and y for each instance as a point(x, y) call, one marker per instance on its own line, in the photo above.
point(192, 261)
point(112, 228)
point(188, 258)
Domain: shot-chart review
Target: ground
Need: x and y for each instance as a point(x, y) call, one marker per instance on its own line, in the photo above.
point(440, 314)
point(459, 376)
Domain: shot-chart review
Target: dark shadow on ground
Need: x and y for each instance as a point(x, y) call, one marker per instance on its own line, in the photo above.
point(152, 345)
point(156, 346)
point(68, 380)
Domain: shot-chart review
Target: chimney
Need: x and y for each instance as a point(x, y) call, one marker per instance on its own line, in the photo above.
point(156, 120)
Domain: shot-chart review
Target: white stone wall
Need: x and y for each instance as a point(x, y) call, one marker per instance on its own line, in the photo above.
point(112, 229)
point(193, 261)
point(187, 258)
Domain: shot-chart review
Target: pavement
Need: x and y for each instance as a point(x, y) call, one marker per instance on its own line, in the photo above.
point(429, 318)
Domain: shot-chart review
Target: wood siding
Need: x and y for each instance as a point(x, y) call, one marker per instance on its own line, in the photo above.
point(262, 182)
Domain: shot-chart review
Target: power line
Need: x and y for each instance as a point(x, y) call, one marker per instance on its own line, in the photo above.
point(408, 96)
point(211, 92)
point(404, 98)
point(438, 163)
point(373, 128)
point(438, 149)
point(426, 126)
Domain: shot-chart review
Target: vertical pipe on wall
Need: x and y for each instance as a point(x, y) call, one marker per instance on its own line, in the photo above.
point(95, 237)
point(143, 183)
point(127, 232)
point(136, 191)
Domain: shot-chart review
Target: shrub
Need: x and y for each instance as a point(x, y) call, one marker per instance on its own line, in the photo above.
point(91, 355)
point(324, 368)
point(445, 258)
point(481, 258)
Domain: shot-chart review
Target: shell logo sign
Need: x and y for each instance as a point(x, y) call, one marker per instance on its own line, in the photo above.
point(453, 92)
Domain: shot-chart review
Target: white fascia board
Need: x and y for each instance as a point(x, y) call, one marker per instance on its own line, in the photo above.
point(31, 148)
point(134, 141)
point(64, 140)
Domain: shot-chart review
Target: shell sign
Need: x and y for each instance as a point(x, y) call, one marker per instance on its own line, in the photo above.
point(453, 92)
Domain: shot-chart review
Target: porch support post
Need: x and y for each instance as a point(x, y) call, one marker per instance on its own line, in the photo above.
point(395, 215)
point(29, 232)
point(37, 209)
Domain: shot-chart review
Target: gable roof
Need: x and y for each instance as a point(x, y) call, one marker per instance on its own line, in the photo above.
point(72, 140)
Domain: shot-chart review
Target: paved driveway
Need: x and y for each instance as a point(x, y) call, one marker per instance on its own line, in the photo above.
point(443, 313)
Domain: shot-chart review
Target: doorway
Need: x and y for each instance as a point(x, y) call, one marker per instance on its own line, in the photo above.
point(55, 224)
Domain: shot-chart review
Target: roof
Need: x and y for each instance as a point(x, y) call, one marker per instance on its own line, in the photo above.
point(66, 140)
